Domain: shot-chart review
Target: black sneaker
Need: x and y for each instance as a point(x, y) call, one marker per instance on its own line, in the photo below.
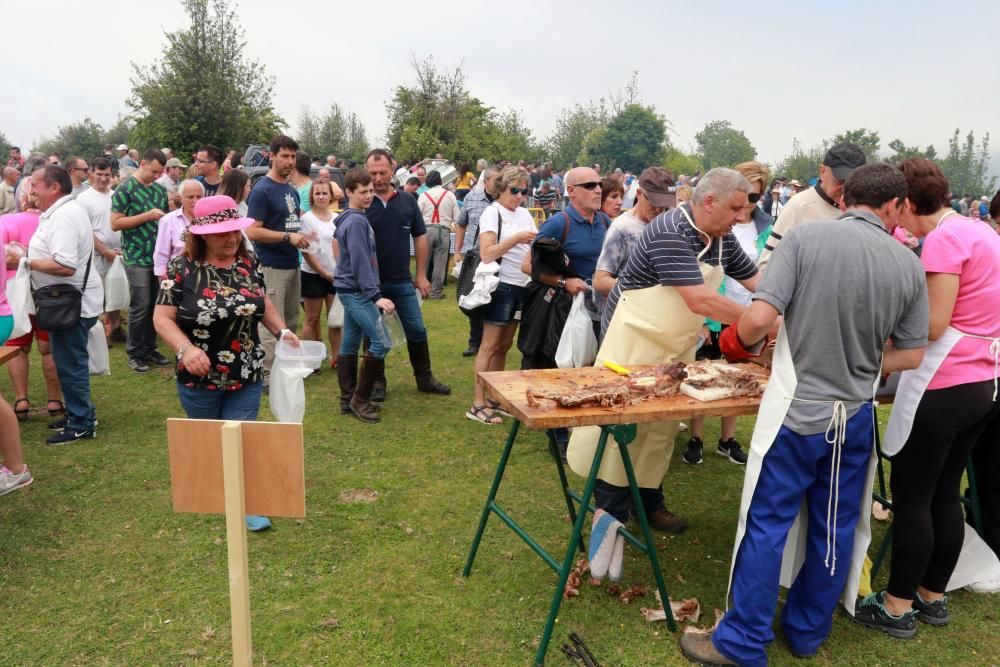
point(693, 453)
point(871, 613)
point(470, 352)
point(158, 359)
point(932, 613)
point(138, 365)
point(66, 436)
point(732, 450)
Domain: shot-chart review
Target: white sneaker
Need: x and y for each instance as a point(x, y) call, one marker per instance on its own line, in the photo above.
point(9, 481)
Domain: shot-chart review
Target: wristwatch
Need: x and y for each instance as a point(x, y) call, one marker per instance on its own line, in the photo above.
point(286, 237)
point(561, 283)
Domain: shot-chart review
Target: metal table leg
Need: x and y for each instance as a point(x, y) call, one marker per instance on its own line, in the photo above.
point(491, 497)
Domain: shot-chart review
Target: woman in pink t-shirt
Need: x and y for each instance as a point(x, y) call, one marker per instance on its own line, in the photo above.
point(960, 256)
point(14, 474)
point(18, 228)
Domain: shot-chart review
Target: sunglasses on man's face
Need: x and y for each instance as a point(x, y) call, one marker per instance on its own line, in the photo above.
point(519, 191)
point(590, 185)
point(753, 197)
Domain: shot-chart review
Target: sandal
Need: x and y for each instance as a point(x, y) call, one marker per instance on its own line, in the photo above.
point(61, 410)
point(22, 415)
point(496, 407)
point(483, 415)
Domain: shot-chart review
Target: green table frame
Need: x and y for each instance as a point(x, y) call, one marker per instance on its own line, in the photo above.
point(623, 435)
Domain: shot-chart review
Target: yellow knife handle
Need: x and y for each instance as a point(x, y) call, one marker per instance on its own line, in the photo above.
point(616, 368)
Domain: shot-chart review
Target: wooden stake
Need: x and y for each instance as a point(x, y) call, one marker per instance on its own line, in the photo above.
point(236, 542)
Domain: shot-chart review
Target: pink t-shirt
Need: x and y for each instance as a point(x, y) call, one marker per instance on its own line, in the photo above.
point(19, 228)
point(970, 249)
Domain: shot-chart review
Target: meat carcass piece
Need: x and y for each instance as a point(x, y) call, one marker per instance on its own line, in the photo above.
point(721, 381)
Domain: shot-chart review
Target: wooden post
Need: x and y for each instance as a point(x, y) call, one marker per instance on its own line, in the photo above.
point(236, 541)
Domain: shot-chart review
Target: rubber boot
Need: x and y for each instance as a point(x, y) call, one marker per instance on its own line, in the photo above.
point(347, 375)
point(420, 359)
point(381, 387)
point(361, 404)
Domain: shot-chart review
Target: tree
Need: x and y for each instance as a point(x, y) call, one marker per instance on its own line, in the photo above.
point(4, 146)
point(573, 126)
point(901, 151)
point(437, 114)
point(680, 162)
point(966, 165)
point(338, 132)
point(802, 165)
point(865, 139)
point(120, 132)
point(204, 90)
point(633, 140)
point(722, 145)
point(84, 139)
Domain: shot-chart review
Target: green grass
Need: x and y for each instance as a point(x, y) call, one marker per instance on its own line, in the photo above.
point(97, 570)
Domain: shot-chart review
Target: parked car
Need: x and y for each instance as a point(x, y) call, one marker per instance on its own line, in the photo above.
point(257, 162)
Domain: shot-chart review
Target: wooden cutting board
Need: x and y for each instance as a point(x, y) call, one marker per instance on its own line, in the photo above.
point(508, 388)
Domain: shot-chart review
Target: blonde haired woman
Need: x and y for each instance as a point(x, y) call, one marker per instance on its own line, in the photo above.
point(506, 231)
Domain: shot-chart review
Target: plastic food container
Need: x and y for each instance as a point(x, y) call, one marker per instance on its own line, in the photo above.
point(309, 353)
point(392, 330)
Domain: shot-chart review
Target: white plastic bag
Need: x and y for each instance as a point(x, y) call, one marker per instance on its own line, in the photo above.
point(19, 298)
point(116, 294)
point(97, 350)
point(484, 282)
point(457, 270)
point(335, 316)
point(292, 365)
point(392, 330)
point(578, 344)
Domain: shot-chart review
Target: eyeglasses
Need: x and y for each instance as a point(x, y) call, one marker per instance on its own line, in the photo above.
point(519, 191)
point(83, 169)
point(204, 161)
point(590, 185)
point(753, 197)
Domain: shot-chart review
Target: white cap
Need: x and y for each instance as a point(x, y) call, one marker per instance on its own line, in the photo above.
point(122, 147)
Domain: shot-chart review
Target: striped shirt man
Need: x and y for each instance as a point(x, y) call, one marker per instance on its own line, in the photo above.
point(667, 254)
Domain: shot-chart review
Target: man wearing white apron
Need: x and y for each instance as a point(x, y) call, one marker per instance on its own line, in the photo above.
point(654, 314)
point(845, 287)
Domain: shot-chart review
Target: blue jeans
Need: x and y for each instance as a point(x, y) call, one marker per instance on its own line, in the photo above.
point(69, 351)
point(795, 468)
point(404, 295)
point(241, 405)
point(361, 318)
point(143, 289)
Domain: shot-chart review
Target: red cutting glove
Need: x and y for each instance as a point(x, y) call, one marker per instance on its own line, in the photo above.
point(733, 349)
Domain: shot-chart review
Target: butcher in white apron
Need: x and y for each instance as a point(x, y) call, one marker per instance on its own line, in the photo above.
point(676, 267)
point(844, 288)
point(940, 410)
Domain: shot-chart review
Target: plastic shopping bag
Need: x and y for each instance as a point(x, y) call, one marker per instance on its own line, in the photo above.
point(335, 314)
point(97, 350)
point(287, 393)
point(392, 330)
point(578, 344)
point(116, 294)
point(19, 298)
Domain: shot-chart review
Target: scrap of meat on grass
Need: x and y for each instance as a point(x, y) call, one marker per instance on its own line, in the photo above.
point(662, 381)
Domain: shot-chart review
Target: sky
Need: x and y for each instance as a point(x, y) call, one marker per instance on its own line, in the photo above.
point(780, 70)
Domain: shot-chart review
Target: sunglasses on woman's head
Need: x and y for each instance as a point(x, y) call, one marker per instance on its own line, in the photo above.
point(753, 197)
point(519, 191)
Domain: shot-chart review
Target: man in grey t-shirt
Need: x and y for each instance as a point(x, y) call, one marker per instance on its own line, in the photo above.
point(845, 287)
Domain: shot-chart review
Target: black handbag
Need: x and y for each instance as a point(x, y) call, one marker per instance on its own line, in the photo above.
point(467, 274)
point(58, 307)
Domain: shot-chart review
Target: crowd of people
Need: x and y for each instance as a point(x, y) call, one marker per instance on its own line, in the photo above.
point(873, 269)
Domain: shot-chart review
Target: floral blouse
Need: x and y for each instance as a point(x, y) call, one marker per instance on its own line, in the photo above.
point(219, 310)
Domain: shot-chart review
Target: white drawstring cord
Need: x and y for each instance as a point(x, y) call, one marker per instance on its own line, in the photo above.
point(836, 435)
point(995, 351)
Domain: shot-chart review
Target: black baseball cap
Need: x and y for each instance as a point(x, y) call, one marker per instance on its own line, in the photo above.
point(843, 158)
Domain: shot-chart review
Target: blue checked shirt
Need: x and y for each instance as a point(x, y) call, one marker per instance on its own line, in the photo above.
point(472, 209)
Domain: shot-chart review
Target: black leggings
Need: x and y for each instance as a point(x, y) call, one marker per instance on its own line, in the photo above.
point(929, 525)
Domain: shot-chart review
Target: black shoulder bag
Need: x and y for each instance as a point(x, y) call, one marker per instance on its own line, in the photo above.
point(58, 307)
point(471, 262)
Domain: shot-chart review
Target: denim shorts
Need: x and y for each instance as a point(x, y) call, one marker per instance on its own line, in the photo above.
point(505, 305)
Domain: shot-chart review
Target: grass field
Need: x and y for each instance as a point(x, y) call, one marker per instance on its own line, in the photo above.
point(97, 569)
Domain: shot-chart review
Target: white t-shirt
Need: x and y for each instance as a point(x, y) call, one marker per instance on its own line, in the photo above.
point(64, 234)
point(325, 230)
point(746, 234)
point(513, 222)
point(98, 208)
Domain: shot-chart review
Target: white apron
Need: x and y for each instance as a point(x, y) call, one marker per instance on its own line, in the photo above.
point(650, 326)
point(778, 397)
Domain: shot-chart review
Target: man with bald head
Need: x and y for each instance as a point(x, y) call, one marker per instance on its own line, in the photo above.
point(580, 228)
point(7, 199)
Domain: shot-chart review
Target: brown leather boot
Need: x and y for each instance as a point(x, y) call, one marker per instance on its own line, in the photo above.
point(420, 359)
point(347, 376)
point(361, 404)
point(666, 521)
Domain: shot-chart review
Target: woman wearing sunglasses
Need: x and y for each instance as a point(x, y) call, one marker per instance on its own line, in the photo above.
point(506, 231)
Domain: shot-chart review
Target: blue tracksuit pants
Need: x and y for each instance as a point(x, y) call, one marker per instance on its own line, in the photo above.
point(795, 468)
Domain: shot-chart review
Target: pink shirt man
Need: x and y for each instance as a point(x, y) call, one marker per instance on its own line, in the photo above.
point(169, 243)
